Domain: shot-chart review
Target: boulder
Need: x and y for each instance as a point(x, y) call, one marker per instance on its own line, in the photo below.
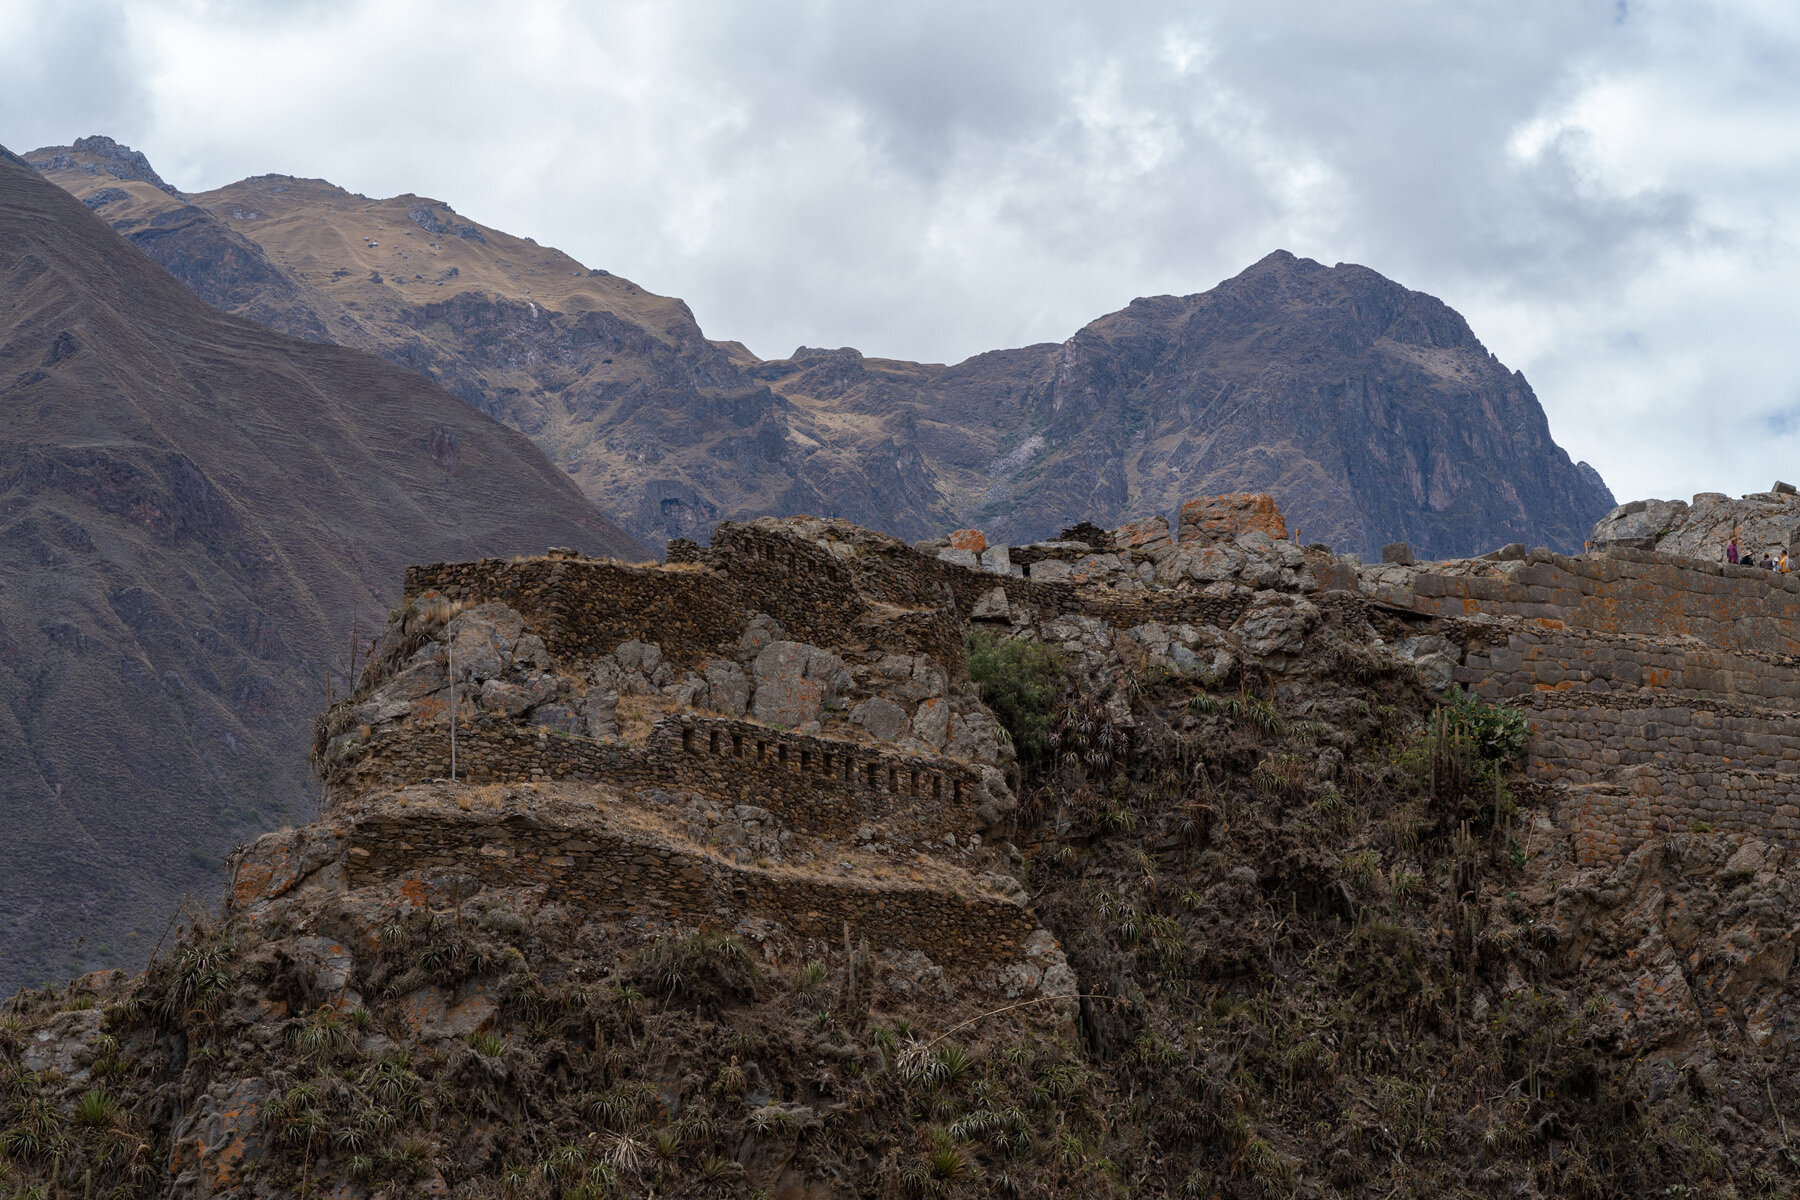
point(1219, 518)
point(1397, 552)
point(758, 633)
point(931, 722)
point(64, 1044)
point(975, 737)
point(1275, 624)
point(997, 560)
point(796, 682)
point(481, 641)
point(993, 606)
point(727, 687)
point(882, 718)
point(1143, 536)
point(972, 540)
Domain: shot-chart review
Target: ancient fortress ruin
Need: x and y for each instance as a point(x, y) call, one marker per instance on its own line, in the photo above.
point(777, 735)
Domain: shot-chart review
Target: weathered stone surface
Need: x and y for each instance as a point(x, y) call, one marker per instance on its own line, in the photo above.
point(931, 722)
point(993, 606)
point(64, 1045)
point(1764, 524)
point(882, 718)
point(481, 641)
point(1275, 624)
point(972, 540)
point(1218, 518)
point(796, 682)
point(727, 687)
point(221, 1137)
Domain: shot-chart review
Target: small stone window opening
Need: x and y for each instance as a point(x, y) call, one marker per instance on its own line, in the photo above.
point(893, 774)
point(762, 751)
point(870, 772)
point(712, 744)
point(781, 755)
point(805, 761)
point(737, 745)
point(687, 739)
point(937, 787)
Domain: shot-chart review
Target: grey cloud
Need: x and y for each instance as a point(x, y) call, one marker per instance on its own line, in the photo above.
point(930, 180)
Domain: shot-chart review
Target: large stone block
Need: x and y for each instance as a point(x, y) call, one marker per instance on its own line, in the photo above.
point(1220, 518)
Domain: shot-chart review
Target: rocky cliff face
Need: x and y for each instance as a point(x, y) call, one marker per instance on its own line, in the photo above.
point(1371, 412)
point(193, 512)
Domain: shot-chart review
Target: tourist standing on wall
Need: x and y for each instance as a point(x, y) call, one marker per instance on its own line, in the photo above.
point(1731, 550)
point(1784, 562)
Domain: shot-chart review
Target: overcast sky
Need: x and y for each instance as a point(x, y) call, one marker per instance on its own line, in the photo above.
point(1609, 190)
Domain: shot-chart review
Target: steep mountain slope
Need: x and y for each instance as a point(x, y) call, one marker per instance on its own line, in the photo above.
point(193, 512)
point(1371, 412)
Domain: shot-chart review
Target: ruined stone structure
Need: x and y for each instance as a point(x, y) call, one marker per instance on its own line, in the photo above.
point(777, 735)
point(1663, 692)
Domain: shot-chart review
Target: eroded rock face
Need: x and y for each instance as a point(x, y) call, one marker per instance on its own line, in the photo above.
point(1765, 524)
point(796, 683)
point(1696, 937)
point(1215, 518)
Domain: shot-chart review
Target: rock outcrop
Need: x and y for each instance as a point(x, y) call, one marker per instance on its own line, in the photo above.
point(1766, 525)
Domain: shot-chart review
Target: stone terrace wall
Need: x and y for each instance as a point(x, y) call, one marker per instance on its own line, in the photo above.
point(1664, 692)
point(1585, 740)
point(817, 786)
point(610, 874)
point(1644, 803)
point(582, 608)
point(1514, 662)
point(892, 598)
point(1628, 591)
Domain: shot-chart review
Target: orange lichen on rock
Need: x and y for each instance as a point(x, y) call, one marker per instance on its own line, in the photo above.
point(1144, 532)
point(972, 540)
point(1216, 518)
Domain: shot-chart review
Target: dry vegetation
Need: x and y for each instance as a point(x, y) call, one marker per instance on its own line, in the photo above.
point(1287, 929)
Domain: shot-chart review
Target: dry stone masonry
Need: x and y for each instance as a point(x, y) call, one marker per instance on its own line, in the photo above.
point(777, 735)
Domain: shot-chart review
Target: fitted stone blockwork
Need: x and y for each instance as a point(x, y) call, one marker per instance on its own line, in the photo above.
point(1664, 692)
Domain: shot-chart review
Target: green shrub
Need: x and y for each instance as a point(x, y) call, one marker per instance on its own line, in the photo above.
point(1496, 735)
point(1021, 681)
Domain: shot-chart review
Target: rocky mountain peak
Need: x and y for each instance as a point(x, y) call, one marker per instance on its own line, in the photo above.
point(100, 155)
point(1369, 410)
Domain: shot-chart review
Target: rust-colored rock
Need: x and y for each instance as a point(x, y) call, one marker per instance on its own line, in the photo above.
point(1215, 518)
point(972, 540)
point(1142, 534)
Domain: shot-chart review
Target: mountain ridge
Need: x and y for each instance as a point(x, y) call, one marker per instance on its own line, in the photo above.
point(195, 513)
point(1273, 381)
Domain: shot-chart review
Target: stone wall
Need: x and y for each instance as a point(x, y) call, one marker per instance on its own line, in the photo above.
point(1627, 591)
point(890, 597)
point(610, 873)
point(821, 787)
point(1664, 693)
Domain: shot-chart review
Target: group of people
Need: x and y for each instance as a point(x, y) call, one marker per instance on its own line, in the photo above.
point(1768, 563)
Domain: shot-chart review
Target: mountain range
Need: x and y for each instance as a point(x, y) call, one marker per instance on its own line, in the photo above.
point(1371, 412)
point(197, 516)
